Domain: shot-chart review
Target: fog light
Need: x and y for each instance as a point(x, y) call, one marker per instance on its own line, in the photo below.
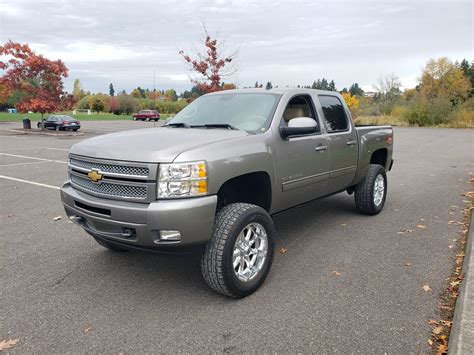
point(170, 236)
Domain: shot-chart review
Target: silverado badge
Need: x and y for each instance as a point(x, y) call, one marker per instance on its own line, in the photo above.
point(95, 176)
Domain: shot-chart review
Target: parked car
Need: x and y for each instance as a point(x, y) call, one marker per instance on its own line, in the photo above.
point(146, 115)
point(60, 123)
point(216, 173)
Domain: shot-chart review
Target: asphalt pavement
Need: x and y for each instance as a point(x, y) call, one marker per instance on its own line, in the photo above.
point(347, 282)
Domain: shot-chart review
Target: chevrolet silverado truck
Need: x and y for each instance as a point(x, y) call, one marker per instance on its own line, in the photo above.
point(215, 174)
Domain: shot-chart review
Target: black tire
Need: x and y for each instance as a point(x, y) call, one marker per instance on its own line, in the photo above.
point(217, 261)
point(110, 246)
point(364, 191)
point(75, 129)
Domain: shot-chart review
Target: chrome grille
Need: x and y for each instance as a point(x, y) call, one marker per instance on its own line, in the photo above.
point(110, 168)
point(110, 189)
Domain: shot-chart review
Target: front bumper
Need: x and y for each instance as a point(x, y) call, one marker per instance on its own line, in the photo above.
point(137, 225)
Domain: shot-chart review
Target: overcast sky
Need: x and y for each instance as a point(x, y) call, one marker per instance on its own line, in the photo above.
point(285, 42)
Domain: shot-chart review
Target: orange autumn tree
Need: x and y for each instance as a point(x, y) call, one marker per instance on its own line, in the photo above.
point(38, 79)
point(211, 65)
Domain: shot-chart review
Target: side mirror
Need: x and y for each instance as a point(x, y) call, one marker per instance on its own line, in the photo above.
point(299, 126)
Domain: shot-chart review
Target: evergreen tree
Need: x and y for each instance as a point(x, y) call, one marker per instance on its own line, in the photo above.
point(356, 90)
point(111, 90)
point(256, 84)
point(269, 85)
point(332, 86)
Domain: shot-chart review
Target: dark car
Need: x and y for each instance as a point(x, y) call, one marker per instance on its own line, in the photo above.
point(146, 115)
point(60, 122)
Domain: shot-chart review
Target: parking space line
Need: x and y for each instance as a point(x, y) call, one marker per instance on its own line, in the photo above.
point(65, 150)
point(27, 157)
point(18, 164)
point(29, 182)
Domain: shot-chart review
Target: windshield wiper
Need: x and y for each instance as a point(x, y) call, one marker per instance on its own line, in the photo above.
point(216, 125)
point(177, 124)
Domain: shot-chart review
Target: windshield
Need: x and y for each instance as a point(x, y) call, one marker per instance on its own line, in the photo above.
point(248, 112)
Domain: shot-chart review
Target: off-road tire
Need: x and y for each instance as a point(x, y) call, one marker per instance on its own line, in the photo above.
point(364, 191)
point(110, 246)
point(216, 263)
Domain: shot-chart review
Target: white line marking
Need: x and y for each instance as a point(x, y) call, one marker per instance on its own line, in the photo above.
point(32, 162)
point(29, 182)
point(25, 157)
point(66, 150)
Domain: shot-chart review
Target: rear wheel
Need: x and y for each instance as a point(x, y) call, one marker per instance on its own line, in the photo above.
point(239, 255)
point(371, 192)
point(57, 128)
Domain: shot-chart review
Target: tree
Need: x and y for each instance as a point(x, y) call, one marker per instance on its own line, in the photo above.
point(77, 91)
point(256, 84)
point(114, 105)
point(332, 86)
point(39, 79)
point(468, 70)
point(356, 90)
point(210, 66)
point(171, 94)
point(269, 85)
point(111, 90)
point(228, 86)
point(352, 103)
point(96, 104)
point(388, 87)
point(127, 104)
point(443, 79)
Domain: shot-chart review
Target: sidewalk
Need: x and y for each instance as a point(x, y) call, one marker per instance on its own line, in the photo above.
point(461, 340)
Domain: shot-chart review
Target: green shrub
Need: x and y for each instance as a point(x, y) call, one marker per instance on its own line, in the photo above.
point(429, 112)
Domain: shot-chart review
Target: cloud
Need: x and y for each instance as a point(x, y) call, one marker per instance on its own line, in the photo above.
point(286, 42)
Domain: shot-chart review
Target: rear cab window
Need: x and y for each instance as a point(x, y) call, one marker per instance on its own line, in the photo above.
point(334, 114)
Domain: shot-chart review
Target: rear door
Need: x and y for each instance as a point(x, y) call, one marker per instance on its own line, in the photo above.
point(342, 141)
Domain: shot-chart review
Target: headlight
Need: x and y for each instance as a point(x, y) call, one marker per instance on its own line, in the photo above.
point(182, 180)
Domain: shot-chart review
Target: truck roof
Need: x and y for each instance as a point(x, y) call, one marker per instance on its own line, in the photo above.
point(279, 91)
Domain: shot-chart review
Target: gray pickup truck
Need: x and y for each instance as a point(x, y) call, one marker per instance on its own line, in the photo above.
point(215, 174)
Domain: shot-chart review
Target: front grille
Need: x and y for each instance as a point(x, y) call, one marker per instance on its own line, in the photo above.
point(110, 168)
point(110, 189)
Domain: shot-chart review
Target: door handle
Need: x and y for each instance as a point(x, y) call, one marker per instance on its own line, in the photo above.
point(321, 148)
point(351, 142)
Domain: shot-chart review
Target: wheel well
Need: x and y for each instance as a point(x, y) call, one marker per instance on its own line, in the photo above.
point(379, 157)
point(254, 188)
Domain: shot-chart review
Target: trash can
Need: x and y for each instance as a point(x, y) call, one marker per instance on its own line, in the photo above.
point(26, 123)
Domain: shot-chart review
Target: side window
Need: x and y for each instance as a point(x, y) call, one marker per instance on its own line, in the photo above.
point(299, 106)
point(334, 115)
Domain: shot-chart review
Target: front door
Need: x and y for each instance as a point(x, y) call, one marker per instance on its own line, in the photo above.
point(302, 162)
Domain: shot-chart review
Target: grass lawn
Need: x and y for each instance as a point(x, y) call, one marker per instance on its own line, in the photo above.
point(17, 117)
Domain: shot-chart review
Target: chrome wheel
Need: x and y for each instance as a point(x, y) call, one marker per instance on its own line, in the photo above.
point(250, 252)
point(379, 189)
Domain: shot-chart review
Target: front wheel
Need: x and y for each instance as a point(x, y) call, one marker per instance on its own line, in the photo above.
point(240, 253)
point(371, 192)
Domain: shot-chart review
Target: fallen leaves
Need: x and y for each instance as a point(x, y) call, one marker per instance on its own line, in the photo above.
point(283, 250)
point(57, 218)
point(88, 329)
point(336, 273)
point(426, 288)
point(421, 226)
point(8, 344)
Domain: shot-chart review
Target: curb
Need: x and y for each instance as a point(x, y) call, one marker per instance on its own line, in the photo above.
point(461, 340)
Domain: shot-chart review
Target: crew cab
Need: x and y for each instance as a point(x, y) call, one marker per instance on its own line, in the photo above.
point(146, 115)
point(214, 175)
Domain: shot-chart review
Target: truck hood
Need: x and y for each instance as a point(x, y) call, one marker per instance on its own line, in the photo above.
point(151, 145)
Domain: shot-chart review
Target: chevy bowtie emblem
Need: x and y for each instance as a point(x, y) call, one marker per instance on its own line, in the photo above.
point(95, 176)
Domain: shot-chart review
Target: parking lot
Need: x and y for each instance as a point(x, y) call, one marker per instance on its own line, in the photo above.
point(346, 283)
